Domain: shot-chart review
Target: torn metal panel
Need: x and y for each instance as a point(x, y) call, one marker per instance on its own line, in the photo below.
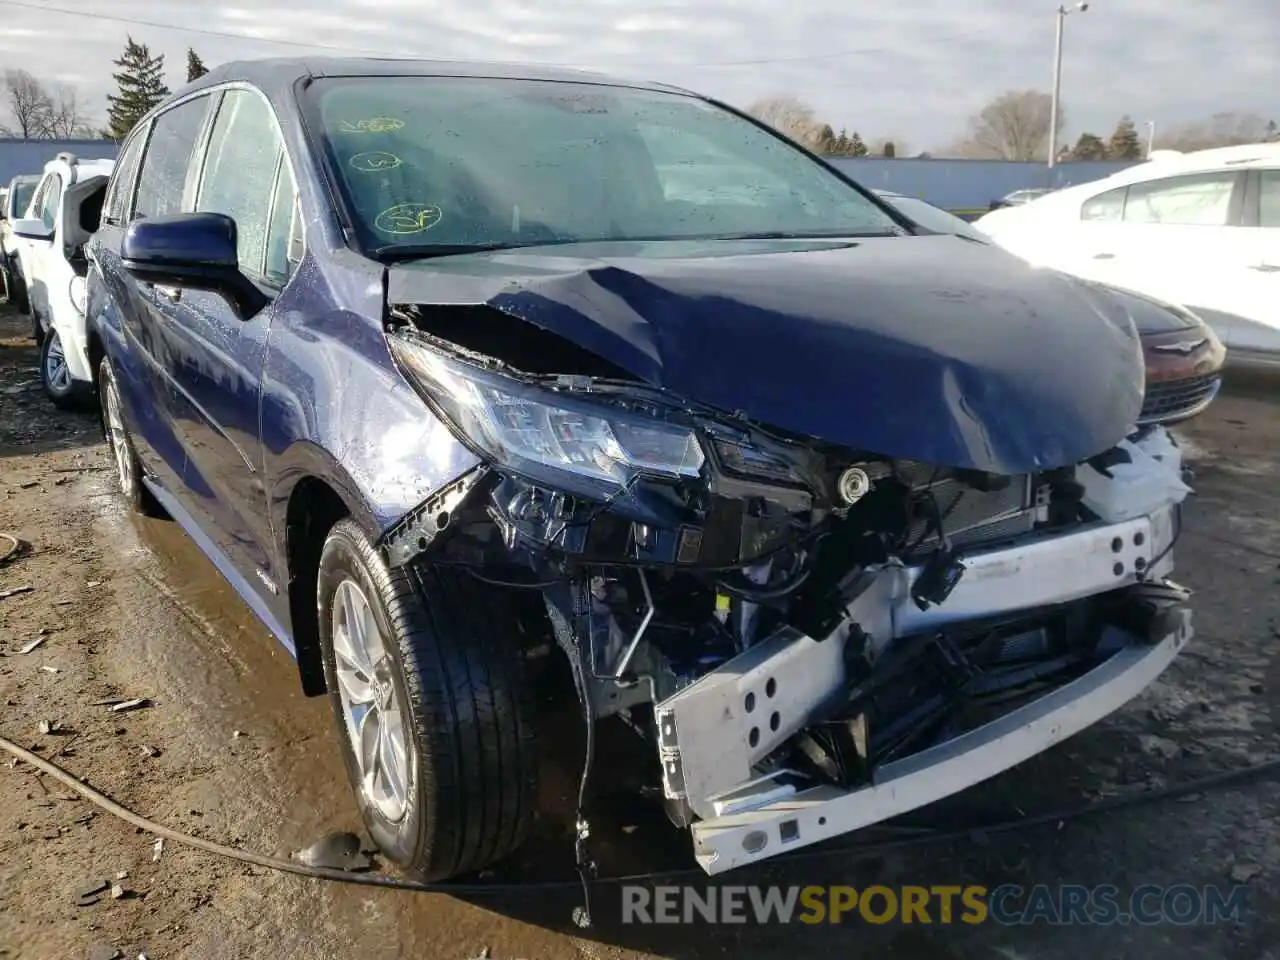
point(929, 349)
point(417, 530)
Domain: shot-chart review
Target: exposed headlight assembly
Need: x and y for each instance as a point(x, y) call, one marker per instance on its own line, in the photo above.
point(582, 446)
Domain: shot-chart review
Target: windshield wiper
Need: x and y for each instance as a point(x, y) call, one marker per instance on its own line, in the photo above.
point(393, 252)
point(833, 235)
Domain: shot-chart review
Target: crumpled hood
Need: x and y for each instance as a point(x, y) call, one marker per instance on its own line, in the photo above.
point(929, 348)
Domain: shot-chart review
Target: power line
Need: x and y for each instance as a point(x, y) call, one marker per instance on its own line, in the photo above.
point(302, 44)
point(221, 34)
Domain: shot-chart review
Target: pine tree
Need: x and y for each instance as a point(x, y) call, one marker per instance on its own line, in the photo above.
point(195, 66)
point(840, 146)
point(1124, 143)
point(1089, 147)
point(141, 86)
point(856, 147)
point(890, 149)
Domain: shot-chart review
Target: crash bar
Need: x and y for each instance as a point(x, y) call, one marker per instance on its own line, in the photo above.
point(823, 812)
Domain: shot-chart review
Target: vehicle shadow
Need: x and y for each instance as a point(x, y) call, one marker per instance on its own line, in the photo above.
point(949, 843)
point(29, 423)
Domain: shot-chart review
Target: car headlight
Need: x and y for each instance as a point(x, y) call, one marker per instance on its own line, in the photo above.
point(588, 448)
point(77, 293)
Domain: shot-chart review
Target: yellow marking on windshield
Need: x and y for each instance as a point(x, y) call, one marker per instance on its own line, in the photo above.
point(408, 218)
point(371, 125)
point(372, 161)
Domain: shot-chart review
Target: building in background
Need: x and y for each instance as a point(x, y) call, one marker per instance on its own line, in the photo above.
point(29, 156)
point(968, 187)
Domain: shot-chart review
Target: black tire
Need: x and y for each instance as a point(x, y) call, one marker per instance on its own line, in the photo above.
point(458, 674)
point(16, 288)
point(69, 394)
point(128, 467)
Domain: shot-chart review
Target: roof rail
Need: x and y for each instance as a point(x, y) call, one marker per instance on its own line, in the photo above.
point(1165, 155)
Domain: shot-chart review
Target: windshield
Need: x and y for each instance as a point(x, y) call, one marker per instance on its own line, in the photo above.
point(21, 195)
point(445, 161)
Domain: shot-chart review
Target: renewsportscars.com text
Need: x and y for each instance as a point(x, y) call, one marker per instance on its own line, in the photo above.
point(1009, 904)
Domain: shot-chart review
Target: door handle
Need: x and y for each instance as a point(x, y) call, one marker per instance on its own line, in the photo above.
point(1265, 267)
point(1104, 256)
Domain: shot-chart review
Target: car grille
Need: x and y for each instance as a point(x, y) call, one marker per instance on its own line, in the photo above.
point(1177, 399)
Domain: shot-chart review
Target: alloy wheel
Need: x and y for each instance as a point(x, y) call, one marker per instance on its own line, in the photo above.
point(117, 437)
point(56, 372)
point(371, 705)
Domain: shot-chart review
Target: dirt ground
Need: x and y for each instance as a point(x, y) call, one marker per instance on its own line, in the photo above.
point(229, 749)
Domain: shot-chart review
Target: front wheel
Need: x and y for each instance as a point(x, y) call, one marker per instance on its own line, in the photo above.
point(426, 682)
point(128, 467)
point(64, 390)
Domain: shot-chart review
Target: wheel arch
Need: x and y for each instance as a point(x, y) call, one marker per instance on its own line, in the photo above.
point(313, 494)
point(96, 352)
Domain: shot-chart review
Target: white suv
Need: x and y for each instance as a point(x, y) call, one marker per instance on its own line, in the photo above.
point(17, 197)
point(1200, 229)
point(63, 215)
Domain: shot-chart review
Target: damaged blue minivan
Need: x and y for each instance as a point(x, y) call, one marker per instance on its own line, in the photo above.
point(445, 365)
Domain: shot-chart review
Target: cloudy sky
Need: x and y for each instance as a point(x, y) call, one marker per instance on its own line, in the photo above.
point(913, 70)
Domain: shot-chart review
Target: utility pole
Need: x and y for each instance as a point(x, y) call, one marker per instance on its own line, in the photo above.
point(1057, 79)
point(1151, 137)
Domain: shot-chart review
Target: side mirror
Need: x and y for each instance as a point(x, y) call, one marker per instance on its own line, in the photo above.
point(32, 229)
point(196, 250)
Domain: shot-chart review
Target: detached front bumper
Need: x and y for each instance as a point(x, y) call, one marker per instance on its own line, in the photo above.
point(717, 734)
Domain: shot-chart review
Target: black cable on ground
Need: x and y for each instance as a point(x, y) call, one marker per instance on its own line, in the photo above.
point(69, 780)
point(10, 547)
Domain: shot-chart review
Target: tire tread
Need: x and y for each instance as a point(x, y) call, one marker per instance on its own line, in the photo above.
point(470, 709)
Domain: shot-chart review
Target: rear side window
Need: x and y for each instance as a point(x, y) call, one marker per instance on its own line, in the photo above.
point(1105, 206)
point(37, 198)
point(1200, 199)
point(169, 148)
point(1269, 198)
point(239, 177)
point(49, 202)
point(116, 208)
point(20, 197)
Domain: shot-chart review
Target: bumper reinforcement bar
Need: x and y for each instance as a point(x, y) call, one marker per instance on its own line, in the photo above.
point(820, 813)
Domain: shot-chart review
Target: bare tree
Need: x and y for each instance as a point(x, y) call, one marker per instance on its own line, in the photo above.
point(68, 117)
point(1014, 126)
point(29, 104)
point(1221, 130)
point(789, 115)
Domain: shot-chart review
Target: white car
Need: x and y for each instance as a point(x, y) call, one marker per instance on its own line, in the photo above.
point(1019, 197)
point(17, 197)
point(49, 241)
point(1199, 229)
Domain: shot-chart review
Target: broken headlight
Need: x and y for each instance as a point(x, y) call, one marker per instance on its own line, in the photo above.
point(590, 448)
